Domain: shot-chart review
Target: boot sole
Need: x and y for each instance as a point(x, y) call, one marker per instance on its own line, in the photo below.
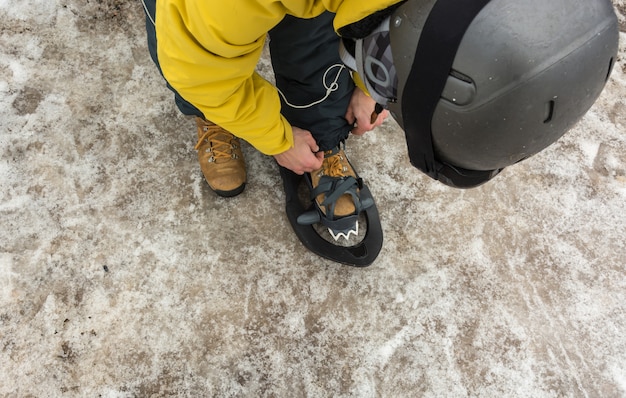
point(231, 193)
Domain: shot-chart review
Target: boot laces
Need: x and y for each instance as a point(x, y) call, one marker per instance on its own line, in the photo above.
point(333, 166)
point(221, 144)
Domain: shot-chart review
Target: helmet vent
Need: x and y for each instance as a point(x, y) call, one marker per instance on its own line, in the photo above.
point(549, 112)
point(608, 73)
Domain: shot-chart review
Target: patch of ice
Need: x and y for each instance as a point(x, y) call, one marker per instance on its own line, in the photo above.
point(6, 277)
point(590, 151)
point(23, 10)
point(619, 375)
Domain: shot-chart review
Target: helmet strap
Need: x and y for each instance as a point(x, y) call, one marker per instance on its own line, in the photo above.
point(438, 43)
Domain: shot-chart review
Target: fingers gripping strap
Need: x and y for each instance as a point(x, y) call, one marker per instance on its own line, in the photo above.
point(439, 41)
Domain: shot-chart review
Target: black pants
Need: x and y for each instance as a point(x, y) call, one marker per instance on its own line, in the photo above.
point(303, 52)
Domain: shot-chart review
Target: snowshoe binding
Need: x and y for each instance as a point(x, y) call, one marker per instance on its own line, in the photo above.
point(333, 213)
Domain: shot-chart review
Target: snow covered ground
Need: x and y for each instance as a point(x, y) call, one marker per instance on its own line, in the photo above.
point(123, 275)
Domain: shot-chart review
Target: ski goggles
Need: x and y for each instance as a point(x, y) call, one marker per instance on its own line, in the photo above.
point(373, 61)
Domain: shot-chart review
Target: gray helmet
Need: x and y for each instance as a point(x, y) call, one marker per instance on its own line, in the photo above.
point(484, 84)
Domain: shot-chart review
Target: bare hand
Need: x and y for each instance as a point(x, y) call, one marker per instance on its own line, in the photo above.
point(304, 156)
point(360, 113)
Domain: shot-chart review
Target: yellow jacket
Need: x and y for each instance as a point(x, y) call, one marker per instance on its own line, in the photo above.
point(208, 51)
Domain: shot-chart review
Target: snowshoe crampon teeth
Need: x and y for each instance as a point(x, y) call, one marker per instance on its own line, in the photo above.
point(344, 233)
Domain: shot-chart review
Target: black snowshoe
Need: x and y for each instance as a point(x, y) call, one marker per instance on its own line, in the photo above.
point(354, 239)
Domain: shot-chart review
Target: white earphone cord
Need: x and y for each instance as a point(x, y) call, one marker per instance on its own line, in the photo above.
point(329, 89)
point(147, 13)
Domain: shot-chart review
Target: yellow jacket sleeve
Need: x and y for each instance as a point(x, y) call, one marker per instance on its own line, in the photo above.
point(208, 51)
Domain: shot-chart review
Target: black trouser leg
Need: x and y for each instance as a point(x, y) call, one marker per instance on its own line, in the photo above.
point(150, 8)
point(302, 51)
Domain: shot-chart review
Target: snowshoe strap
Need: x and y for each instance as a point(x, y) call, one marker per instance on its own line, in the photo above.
point(334, 188)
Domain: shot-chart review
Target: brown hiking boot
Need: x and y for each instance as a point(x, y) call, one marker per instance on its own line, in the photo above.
point(221, 159)
point(335, 166)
